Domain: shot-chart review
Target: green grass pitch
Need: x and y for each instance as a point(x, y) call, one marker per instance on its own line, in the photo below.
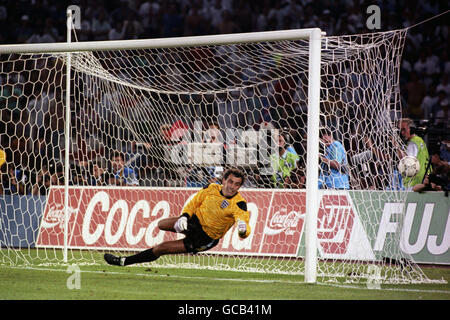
point(146, 282)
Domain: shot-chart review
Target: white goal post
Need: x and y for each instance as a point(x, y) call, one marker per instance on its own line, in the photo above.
point(313, 35)
point(122, 97)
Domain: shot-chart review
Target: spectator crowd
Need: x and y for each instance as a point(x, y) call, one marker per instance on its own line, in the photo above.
point(424, 82)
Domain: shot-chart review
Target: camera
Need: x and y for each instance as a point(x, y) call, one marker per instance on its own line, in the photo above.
point(439, 179)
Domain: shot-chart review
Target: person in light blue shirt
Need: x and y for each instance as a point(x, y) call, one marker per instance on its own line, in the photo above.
point(333, 165)
point(124, 175)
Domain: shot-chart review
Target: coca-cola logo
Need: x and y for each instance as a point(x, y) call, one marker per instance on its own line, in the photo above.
point(283, 221)
point(55, 216)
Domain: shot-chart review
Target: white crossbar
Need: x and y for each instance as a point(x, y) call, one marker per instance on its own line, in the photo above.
point(221, 39)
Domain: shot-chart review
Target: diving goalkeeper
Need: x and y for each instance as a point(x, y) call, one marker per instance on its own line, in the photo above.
point(204, 221)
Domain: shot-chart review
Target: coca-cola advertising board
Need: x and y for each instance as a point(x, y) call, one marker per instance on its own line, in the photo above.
point(127, 218)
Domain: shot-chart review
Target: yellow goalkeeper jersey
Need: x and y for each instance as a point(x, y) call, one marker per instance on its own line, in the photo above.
point(217, 213)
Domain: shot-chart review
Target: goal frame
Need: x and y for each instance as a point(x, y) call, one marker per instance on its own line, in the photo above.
point(314, 35)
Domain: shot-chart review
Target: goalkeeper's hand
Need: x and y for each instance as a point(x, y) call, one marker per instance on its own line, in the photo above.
point(242, 228)
point(181, 224)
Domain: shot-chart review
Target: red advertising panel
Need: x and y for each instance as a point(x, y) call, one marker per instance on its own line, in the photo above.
point(284, 223)
point(335, 223)
point(126, 218)
point(52, 224)
point(110, 217)
point(276, 219)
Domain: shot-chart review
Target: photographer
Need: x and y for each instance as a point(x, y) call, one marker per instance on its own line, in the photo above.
point(438, 180)
point(415, 147)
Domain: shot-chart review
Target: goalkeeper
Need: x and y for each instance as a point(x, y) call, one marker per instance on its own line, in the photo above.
point(204, 221)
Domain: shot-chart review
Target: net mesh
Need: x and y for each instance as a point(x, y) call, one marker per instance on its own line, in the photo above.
point(149, 127)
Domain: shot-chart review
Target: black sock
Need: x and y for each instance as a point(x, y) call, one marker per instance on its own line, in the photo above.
point(144, 256)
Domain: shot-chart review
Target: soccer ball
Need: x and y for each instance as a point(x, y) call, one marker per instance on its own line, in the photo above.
point(409, 166)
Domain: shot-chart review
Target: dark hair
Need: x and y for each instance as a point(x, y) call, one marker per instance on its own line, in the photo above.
point(116, 154)
point(325, 131)
point(235, 172)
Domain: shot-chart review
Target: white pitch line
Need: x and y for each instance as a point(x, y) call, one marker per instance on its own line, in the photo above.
point(239, 280)
point(346, 286)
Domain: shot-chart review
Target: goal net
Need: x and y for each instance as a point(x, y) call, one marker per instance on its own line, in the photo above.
point(149, 127)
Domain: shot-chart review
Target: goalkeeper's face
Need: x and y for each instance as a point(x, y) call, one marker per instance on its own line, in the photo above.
point(231, 185)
